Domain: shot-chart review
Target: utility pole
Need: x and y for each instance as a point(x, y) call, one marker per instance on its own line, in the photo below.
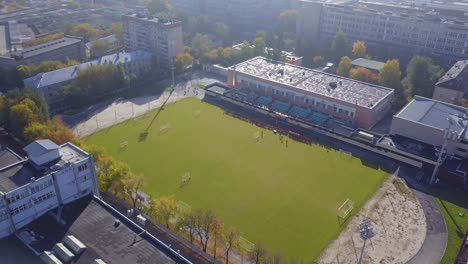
point(172, 72)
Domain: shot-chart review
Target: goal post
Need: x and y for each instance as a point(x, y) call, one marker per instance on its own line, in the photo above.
point(345, 209)
point(164, 128)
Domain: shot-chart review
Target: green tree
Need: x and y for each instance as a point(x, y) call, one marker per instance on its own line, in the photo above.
point(21, 115)
point(43, 39)
point(159, 6)
point(218, 234)
point(132, 184)
point(390, 76)
point(231, 241)
point(339, 45)
point(83, 30)
point(99, 48)
point(201, 44)
point(109, 171)
point(318, 60)
point(421, 76)
point(359, 49)
point(53, 129)
point(204, 226)
point(259, 46)
point(164, 209)
point(117, 30)
point(188, 223)
point(344, 66)
point(287, 21)
point(258, 254)
point(363, 74)
point(182, 61)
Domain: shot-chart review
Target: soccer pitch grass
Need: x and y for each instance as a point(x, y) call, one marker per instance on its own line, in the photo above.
point(283, 196)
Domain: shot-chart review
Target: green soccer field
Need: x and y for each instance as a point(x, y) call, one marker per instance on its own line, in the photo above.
point(284, 196)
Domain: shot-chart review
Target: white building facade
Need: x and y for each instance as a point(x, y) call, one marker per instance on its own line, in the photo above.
point(51, 176)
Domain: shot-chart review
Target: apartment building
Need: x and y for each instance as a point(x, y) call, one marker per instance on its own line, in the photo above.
point(453, 86)
point(67, 48)
point(401, 29)
point(240, 15)
point(48, 84)
point(50, 177)
point(162, 38)
point(352, 102)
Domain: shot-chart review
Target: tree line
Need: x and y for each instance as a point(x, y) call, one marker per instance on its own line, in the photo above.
point(421, 73)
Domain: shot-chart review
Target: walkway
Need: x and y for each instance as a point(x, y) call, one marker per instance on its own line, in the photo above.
point(434, 245)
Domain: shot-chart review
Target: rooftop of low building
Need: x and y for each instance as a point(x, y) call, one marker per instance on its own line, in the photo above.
point(437, 114)
point(106, 235)
point(45, 47)
point(328, 85)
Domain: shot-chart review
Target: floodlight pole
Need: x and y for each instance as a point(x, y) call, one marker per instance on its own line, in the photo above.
point(448, 133)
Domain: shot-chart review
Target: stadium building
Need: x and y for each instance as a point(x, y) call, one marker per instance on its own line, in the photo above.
point(311, 94)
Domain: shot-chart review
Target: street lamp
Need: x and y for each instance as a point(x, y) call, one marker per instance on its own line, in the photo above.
point(366, 232)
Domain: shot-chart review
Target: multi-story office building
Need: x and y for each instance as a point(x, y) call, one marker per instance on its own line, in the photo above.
point(349, 101)
point(399, 29)
point(67, 48)
point(241, 15)
point(48, 178)
point(453, 86)
point(163, 38)
point(48, 84)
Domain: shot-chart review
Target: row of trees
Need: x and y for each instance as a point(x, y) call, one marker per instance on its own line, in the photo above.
point(94, 81)
point(26, 71)
point(421, 74)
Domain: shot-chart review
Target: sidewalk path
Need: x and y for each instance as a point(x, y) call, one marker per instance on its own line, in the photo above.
point(433, 248)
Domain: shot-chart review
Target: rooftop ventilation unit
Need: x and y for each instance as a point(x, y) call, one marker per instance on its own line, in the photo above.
point(63, 253)
point(74, 244)
point(116, 223)
point(141, 220)
point(333, 85)
point(48, 258)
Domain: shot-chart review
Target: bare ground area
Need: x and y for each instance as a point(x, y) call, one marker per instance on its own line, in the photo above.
point(399, 225)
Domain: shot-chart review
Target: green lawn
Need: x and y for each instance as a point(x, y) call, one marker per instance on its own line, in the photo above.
point(285, 197)
point(451, 203)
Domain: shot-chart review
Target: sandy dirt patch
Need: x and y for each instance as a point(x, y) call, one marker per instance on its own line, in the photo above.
point(399, 225)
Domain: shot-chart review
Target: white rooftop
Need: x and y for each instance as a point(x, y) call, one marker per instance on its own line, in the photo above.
point(329, 85)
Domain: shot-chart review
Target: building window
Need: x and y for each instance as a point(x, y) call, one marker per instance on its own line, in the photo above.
point(84, 178)
point(20, 208)
point(83, 167)
point(17, 196)
point(41, 186)
point(43, 197)
point(3, 216)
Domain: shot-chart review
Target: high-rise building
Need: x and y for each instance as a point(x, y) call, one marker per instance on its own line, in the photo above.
point(241, 15)
point(388, 28)
point(162, 38)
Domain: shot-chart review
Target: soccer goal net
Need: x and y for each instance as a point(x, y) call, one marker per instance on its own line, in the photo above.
point(123, 145)
point(256, 136)
point(164, 128)
point(345, 208)
point(185, 178)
